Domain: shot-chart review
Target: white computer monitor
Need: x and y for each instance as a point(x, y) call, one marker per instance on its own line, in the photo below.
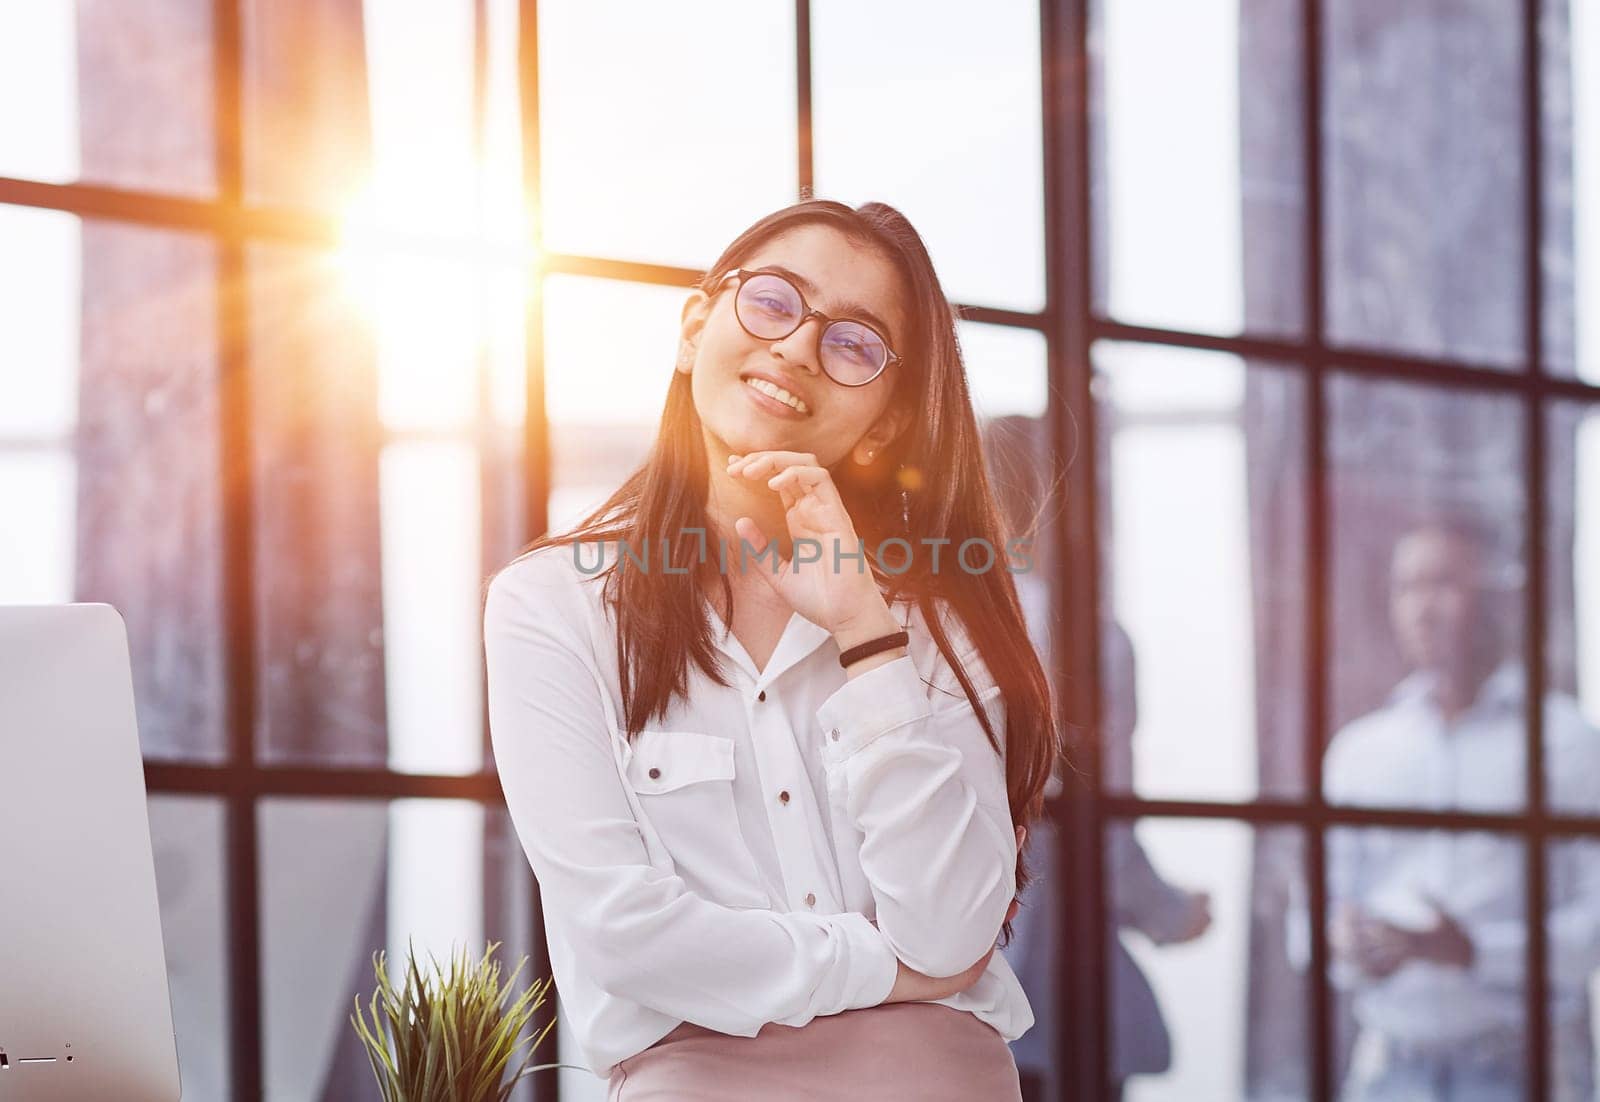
point(84, 1007)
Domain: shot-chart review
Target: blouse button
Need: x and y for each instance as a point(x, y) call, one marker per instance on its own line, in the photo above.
point(762, 695)
point(834, 734)
point(655, 773)
point(783, 797)
point(811, 899)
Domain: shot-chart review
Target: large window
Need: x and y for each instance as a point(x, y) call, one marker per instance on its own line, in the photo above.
point(1338, 267)
point(312, 312)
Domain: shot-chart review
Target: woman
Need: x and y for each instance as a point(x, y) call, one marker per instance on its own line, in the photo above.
point(775, 797)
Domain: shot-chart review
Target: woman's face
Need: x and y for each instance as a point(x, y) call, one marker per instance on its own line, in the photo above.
point(843, 281)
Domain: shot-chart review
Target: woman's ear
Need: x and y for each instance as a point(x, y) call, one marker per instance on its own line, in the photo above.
point(899, 419)
point(890, 424)
point(693, 321)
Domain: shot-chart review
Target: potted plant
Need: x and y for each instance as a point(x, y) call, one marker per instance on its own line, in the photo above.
point(450, 1036)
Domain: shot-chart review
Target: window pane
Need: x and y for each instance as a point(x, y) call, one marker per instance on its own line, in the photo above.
point(317, 441)
point(939, 116)
point(1405, 909)
point(41, 318)
point(187, 838)
point(1204, 1000)
point(1572, 581)
point(1006, 369)
point(1425, 522)
point(1422, 144)
point(1203, 557)
point(1569, 104)
point(40, 323)
point(343, 879)
point(110, 420)
point(149, 445)
point(609, 349)
point(311, 106)
point(432, 619)
point(113, 95)
point(379, 440)
point(1572, 956)
point(662, 144)
point(1197, 190)
point(1166, 1039)
point(374, 112)
point(37, 531)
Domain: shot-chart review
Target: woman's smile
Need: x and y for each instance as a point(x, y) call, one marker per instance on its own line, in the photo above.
point(774, 399)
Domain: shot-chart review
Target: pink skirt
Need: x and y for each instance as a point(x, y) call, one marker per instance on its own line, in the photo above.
point(922, 1051)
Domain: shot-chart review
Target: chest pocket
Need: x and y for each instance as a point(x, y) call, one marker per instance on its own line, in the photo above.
point(684, 781)
point(665, 761)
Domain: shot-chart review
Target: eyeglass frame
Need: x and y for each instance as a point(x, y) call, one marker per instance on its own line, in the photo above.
point(807, 312)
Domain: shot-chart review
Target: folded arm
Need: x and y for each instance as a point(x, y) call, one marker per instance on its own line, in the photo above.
point(909, 765)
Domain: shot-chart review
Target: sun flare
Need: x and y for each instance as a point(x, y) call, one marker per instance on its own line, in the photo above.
point(442, 290)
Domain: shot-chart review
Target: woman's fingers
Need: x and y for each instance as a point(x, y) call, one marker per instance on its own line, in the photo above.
point(800, 479)
point(770, 461)
point(776, 466)
point(749, 531)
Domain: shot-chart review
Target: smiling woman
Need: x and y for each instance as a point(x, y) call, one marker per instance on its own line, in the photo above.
point(777, 813)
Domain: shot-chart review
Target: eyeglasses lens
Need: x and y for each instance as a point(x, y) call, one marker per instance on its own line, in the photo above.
point(770, 307)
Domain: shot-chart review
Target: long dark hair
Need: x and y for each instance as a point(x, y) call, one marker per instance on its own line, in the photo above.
point(930, 483)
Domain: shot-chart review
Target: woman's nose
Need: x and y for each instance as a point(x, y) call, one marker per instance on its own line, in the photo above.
point(804, 347)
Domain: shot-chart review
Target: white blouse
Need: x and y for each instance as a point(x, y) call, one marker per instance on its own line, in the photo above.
point(722, 867)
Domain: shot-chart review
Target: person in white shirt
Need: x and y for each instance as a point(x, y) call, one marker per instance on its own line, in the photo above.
point(776, 806)
point(1426, 927)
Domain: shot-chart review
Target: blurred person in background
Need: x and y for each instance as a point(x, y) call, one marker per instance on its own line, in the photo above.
point(1426, 929)
point(1141, 899)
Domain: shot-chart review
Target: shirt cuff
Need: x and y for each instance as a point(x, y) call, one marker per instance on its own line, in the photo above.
point(869, 705)
point(873, 964)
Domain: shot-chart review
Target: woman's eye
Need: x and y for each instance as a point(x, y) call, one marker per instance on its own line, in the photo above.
point(854, 347)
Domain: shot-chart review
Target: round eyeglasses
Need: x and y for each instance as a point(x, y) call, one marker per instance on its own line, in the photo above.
point(769, 307)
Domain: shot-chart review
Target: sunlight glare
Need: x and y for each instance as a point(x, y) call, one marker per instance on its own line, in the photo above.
point(439, 289)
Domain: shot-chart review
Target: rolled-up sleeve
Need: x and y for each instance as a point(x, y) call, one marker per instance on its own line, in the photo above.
point(910, 766)
point(639, 932)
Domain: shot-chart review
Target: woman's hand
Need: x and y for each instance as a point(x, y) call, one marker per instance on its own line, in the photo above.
point(824, 588)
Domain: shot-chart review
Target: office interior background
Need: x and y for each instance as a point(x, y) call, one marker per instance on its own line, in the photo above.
point(312, 312)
